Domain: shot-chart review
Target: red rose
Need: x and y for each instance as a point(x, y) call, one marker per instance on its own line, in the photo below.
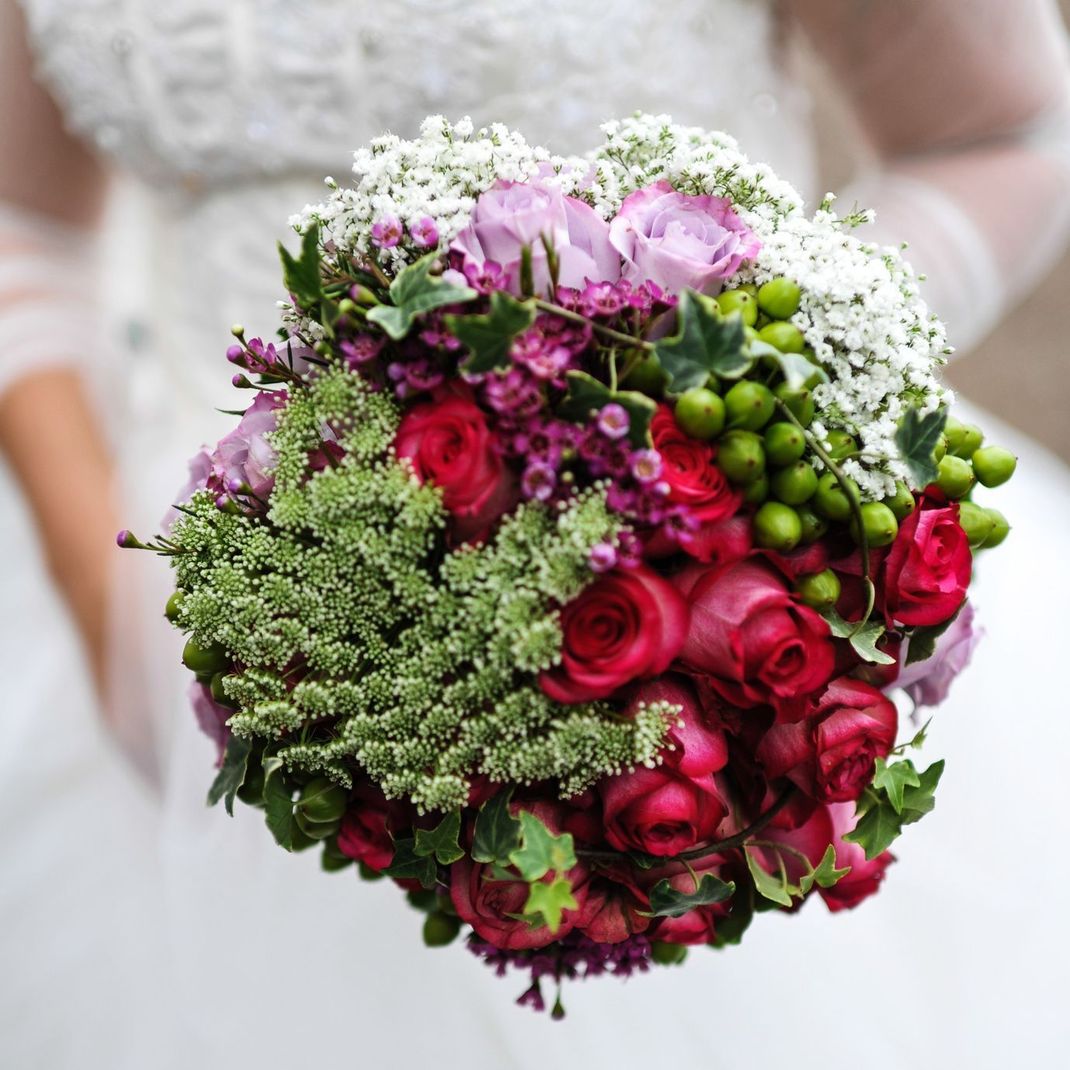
point(831, 754)
point(751, 640)
point(365, 832)
point(613, 911)
point(697, 926)
point(864, 877)
point(626, 626)
point(660, 811)
point(698, 748)
point(694, 480)
point(928, 568)
point(449, 444)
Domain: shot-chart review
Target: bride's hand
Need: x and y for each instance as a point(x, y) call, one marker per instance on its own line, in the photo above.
point(51, 190)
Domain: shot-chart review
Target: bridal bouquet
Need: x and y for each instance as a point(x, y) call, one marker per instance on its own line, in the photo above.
point(591, 524)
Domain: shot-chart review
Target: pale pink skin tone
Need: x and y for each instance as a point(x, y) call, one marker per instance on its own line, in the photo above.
point(680, 242)
point(511, 215)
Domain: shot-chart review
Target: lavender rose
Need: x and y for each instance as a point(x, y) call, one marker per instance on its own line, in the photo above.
point(511, 215)
point(929, 682)
point(680, 242)
point(245, 456)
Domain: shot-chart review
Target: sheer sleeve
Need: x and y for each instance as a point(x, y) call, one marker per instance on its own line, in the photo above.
point(967, 106)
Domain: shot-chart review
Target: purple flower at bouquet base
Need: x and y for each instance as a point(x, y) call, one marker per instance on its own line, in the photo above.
point(603, 557)
point(211, 717)
point(245, 456)
point(538, 481)
point(200, 471)
point(929, 682)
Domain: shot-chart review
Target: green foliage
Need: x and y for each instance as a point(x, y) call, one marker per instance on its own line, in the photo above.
point(497, 832)
point(540, 851)
point(923, 641)
point(420, 667)
point(825, 875)
point(916, 439)
point(231, 774)
point(894, 802)
point(667, 902)
point(862, 637)
point(441, 843)
point(490, 336)
point(586, 395)
point(776, 888)
point(705, 344)
point(409, 864)
point(894, 779)
point(548, 900)
point(301, 274)
point(795, 368)
point(729, 931)
point(415, 291)
point(278, 804)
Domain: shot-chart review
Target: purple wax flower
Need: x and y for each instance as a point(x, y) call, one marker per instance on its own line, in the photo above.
point(387, 231)
point(361, 350)
point(646, 465)
point(603, 557)
point(538, 482)
point(265, 354)
point(614, 421)
point(235, 354)
point(424, 232)
point(602, 299)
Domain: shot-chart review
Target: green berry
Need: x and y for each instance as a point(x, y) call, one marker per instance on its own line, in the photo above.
point(367, 873)
point(749, 405)
point(954, 476)
point(993, 465)
point(665, 954)
point(322, 800)
point(821, 590)
point(901, 502)
point(829, 499)
point(174, 603)
point(741, 456)
point(784, 443)
point(440, 929)
point(794, 485)
point(755, 493)
point(813, 526)
point(218, 694)
point(780, 298)
point(800, 402)
point(700, 413)
point(962, 439)
point(647, 376)
point(940, 449)
point(204, 660)
point(879, 524)
point(777, 527)
point(783, 336)
point(1000, 529)
point(840, 444)
point(740, 301)
point(976, 522)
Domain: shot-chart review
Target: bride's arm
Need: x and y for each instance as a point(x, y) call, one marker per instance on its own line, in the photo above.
point(967, 106)
point(51, 190)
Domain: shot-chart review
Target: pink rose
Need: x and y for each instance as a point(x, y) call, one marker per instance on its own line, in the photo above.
point(928, 682)
point(245, 455)
point(628, 625)
point(751, 640)
point(450, 445)
point(680, 242)
point(865, 877)
point(511, 215)
point(200, 471)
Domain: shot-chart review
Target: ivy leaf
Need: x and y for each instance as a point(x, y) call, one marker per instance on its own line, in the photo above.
point(865, 642)
point(667, 902)
point(839, 627)
point(541, 851)
point(894, 779)
point(548, 901)
point(795, 368)
point(826, 874)
point(920, 800)
point(705, 344)
point(441, 842)
point(489, 337)
point(730, 930)
point(415, 291)
point(916, 439)
point(301, 274)
point(877, 828)
point(408, 865)
point(231, 773)
point(586, 394)
point(497, 832)
point(922, 643)
point(775, 889)
point(278, 804)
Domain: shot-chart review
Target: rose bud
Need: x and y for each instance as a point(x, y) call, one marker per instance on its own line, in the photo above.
point(628, 625)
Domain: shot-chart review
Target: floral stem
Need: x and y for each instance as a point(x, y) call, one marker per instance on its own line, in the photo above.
point(598, 328)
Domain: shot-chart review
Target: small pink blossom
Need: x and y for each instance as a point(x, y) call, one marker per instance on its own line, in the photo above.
point(614, 421)
point(424, 232)
point(387, 232)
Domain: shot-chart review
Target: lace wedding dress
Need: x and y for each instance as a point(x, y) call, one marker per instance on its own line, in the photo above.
point(144, 930)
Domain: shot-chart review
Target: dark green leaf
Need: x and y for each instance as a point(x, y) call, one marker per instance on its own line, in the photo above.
point(920, 800)
point(839, 627)
point(795, 368)
point(826, 874)
point(497, 832)
point(773, 888)
point(540, 850)
point(894, 779)
point(231, 773)
point(587, 395)
point(729, 931)
point(489, 337)
point(415, 291)
point(441, 842)
point(705, 344)
point(667, 902)
point(278, 803)
point(865, 644)
point(301, 275)
point(916, 439)
point(876, 829)
point(408, 865)
point(547, 901)
point(922, 643)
